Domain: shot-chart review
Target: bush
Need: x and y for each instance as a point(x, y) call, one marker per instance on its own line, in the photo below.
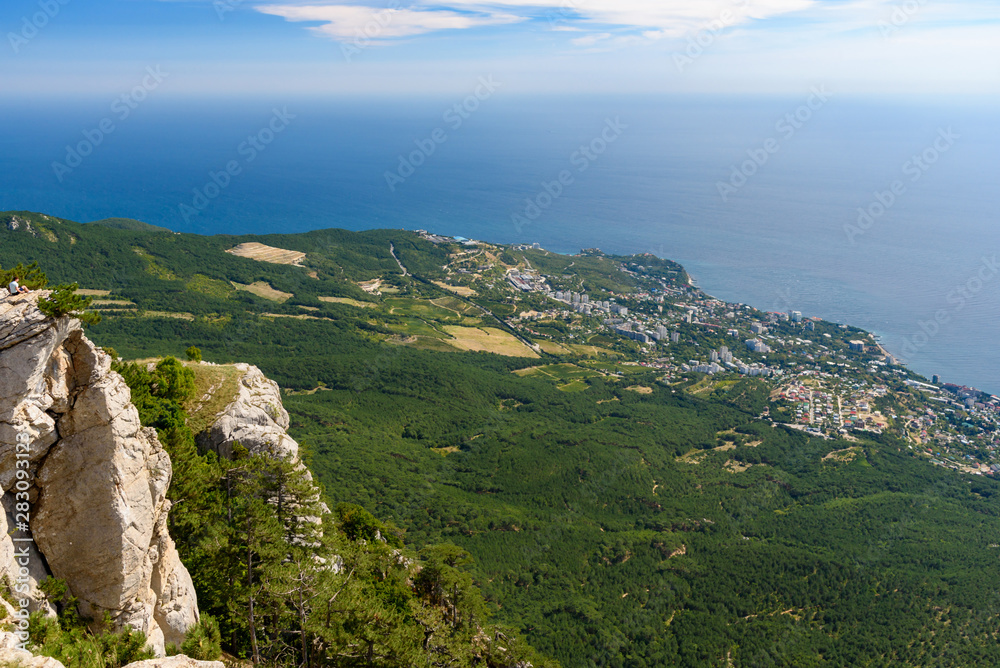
point(193, 354)
point(203, 641)
point(76, 647)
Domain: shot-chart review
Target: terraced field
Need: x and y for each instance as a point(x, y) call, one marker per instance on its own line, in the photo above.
point(262, 253)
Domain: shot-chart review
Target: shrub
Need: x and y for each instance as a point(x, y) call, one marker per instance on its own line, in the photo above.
point(203, 641)
point(65, 301)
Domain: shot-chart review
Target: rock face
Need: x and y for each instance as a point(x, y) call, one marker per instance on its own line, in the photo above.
point(255, 418)
point(95, 478)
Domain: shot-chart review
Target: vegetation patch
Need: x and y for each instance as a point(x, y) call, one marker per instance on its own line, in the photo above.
point(264, 290)
point(215, 387)
point(209, 286)
point(846, 455)
point(346, 300)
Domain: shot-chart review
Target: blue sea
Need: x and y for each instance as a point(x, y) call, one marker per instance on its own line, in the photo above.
point(760, 198)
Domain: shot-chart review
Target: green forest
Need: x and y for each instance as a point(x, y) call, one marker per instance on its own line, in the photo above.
point(628, 523)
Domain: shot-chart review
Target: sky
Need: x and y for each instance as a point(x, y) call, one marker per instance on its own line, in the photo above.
point(386, 47)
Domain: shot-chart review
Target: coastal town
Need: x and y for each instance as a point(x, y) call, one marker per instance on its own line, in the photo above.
point(826, 379)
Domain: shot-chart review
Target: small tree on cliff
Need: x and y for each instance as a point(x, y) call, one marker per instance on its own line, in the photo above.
point(65, 301)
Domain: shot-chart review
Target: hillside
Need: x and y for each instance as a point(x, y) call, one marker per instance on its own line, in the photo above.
point(626, 503)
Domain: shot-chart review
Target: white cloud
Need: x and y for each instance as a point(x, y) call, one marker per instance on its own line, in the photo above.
point(343, 22)
point(659, 18)
point(591, 40)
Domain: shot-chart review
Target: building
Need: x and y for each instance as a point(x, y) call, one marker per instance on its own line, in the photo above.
point(857, 346)
point(796, 316)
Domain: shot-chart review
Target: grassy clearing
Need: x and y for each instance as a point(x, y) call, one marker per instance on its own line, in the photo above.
point(93, 293)
point(293, 317)
point(209, 286)
point(640, 389)
point(168, 314)
point(574, 386)
point(215, 388)
point(558, 372)
point(262, 253)
point(457, 289)
point(487, 339)
point(346, 300)
point(264, 290)
point(422, 308)
point(591, 351)
point(553, 348)
point(457, 305)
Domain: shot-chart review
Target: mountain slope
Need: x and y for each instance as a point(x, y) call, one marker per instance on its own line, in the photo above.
point(618, 514)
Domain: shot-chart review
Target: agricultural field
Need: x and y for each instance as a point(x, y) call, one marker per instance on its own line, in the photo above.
point(346, 300)
point(262, 253)
point(457, 289)
point(489, 340)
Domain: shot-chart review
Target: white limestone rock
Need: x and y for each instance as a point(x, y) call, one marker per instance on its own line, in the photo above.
point(255, 418)
point(96, 479)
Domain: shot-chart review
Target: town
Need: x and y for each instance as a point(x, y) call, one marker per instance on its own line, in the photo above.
point(826, 379)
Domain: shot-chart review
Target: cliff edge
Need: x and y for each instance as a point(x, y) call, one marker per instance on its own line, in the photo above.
point(94, 481)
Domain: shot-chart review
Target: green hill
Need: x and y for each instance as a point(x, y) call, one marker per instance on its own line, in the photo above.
point(128, 224)
point(618, 514)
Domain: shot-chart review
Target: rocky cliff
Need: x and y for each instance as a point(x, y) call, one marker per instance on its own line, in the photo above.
point(254, 417)
point(94, 479)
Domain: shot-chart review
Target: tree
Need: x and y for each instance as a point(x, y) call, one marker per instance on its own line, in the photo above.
point(31, 277)
point(64, 301)
point(193, 354)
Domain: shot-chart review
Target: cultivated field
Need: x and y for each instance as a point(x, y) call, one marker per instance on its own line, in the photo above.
point(262, 253)
point(457, 289)
point(348, 301)
point(487, 339)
